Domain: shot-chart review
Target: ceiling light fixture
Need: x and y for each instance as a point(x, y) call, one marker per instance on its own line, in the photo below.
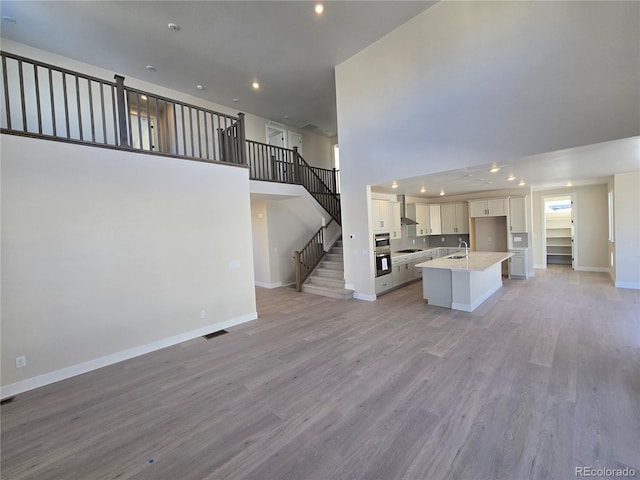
point(174, 27)
point(521, 184)
point(511, 177)
point(422, 190)
point(143, 97)
point(199, 87)
point(319, 8)
point(255, 85)
point(236, 100)
point(441, 193)
point(494, 169)
point(151, 68)
point(394, 185)
point(569, 184)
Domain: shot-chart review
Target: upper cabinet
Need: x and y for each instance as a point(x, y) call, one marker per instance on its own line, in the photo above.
point(396, 225)
point(497, 207)
point(380, 216)
point(422, 217)
point(454, 218)
point(435, 227)
point(518, 214)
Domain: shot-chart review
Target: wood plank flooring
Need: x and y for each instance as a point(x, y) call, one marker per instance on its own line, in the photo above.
point(544, 377)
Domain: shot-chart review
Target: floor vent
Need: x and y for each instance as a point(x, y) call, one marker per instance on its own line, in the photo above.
point(209, 336)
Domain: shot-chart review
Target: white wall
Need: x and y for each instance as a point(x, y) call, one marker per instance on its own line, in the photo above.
point(471, 83)
point(317, 148)
point(591, 217)
point(108, 254)
point(627, 229)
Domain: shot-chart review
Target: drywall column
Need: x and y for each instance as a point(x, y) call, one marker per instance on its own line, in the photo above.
point(627, 229)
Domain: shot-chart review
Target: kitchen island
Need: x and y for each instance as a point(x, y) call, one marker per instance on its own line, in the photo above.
point(462, 282)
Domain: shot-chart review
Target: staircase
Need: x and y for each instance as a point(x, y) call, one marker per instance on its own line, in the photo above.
point(328, 277)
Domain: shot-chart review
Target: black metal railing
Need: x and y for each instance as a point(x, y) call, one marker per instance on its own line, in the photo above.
point(47, 101)
point(277, 164)
point(309, 257)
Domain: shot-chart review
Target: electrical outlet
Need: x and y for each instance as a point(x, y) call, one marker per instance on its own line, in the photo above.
point(203, 314)
point(21, 362)
point(443, 239)
point(414, 241)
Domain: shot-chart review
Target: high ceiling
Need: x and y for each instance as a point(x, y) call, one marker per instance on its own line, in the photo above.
point(223, 46)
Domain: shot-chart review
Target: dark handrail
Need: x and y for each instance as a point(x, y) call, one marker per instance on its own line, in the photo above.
point(54, 103)
point(308, 257)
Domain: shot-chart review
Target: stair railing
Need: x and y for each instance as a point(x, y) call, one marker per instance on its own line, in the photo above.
point(308, 258)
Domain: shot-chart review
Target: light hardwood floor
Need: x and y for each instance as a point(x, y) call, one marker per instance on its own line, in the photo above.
point(544, 377)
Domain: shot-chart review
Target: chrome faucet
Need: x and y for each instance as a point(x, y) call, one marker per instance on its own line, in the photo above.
point(466, 248)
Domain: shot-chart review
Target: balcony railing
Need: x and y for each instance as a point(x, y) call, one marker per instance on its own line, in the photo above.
point(46, 101)
point(52, 102)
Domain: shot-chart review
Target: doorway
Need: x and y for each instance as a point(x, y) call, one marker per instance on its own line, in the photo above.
point(559, 229)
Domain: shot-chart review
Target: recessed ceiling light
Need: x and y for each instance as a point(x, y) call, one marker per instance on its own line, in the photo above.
point(151, 68)
point(255, 85)
point(9, 19)
point(521, 184)
point(569, 184)
point(236, 100)
point(511, 178)
point(319, 8)
point(199, 87)
point(173, 26)
point(394, 185)
point(441, 193)
point(422, 190)
point(494, 169)
point(143, 97)
point(285, 116)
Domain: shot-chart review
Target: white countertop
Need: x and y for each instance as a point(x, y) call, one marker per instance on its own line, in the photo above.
point(476, 261)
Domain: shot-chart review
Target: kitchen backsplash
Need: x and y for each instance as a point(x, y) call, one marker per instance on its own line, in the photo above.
point(520, 240)
point(426, 242)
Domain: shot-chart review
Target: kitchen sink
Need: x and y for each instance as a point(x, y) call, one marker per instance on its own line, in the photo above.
point(456, 257)
point(410, 250)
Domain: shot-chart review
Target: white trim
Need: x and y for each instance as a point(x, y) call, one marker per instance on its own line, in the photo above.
point(592, 269)
point(465, 307)
point(613, 277)
point(268, 285)
point(84, 367)
point(541, 267)
point(364, 296)
point(631, 285)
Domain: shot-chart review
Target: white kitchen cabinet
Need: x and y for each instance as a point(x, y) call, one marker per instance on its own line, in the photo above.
point(401, 270)
point(518, 264)
point(435, 227)
point(422, 217)
point(384, 283)
point(518, 214)
point(454, 218)
point(380, 216)
point(497, 207)
point(396, 226)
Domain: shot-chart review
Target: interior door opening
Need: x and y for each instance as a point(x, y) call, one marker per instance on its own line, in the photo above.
point(559, 228)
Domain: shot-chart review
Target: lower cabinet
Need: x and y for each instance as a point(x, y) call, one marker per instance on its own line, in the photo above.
point(384, 283)
point(518, 264)
point(402, 272)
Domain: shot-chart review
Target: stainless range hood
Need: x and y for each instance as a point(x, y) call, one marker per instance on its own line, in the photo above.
point(404, 220)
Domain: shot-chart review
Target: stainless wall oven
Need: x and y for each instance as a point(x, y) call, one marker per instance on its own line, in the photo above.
point(382, 249)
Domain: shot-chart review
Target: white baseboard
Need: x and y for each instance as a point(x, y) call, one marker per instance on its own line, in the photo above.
point(631, 285)
point(541, 266)
point(268, 285)
point(364, 296)
point(592, 269)
point(84, 367)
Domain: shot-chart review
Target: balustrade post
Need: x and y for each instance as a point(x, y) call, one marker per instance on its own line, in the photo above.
point(122, 111)
point(296, 167)
point(335, 180)
point(242, 149)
